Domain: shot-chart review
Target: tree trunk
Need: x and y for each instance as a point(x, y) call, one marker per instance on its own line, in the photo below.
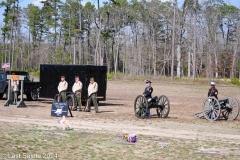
point(194, 40)
point(29, 44)
point(74, 50)
point(216, 57)
point(88, 44)
point(117, 57)
point(4, 43)
point(233, 67)
point(11, 42)
point(98, 45)
point(179, 63)
point(189, 64)
point(80, 35)
point(216, 63)
point(173, 38)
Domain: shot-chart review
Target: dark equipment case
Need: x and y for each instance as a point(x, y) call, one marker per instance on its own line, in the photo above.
point(50, 76)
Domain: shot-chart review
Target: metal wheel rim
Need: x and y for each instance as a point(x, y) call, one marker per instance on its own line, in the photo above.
point(69, 100)
point(233, 104)
point(56, 99)
point(163, 101)
point(211, 109)
point(140, 106)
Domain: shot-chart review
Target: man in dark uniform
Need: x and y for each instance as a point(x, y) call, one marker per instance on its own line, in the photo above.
point(213, 92)
point(148, 94)
point(148, 91)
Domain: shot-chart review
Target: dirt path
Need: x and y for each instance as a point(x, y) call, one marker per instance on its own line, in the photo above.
point(117, 114)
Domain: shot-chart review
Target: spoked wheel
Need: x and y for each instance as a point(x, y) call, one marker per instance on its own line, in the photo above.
point(231, 110)
point(211, 109)
point(140, 106)
point(70, 100)
point(56, 98)
point(163, 106)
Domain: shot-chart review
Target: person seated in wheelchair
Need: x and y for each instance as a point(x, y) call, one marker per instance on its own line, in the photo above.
point(148, 92)
point(213, 92)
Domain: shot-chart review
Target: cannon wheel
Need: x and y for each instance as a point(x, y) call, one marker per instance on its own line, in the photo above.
point(211, 109)
point(69, 100)
point(140, 106)
point(164, 106)
point(232, 109)
point(56, 98)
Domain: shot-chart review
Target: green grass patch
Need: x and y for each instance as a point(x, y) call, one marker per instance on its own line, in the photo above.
point(73, 145)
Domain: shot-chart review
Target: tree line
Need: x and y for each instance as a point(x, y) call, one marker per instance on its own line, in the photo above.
point(133, 37)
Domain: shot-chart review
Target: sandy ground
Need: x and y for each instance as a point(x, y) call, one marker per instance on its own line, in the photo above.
point(117, 113)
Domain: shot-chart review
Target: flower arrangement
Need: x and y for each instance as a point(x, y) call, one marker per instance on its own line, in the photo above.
point(65, 125)
point(125, 137)
point(130, 138)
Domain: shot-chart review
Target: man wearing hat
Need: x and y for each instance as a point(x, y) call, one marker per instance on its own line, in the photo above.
point(92, 95)
point(77, 90)
point(148, 94)
point(62, 87)
point(148, 91)
point(213, 92)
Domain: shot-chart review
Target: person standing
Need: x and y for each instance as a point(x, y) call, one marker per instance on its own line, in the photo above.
point(213, 92)
point(92, 95)
point(14, 91)
point(77, 91)
point(148, 91)
point(62, 88)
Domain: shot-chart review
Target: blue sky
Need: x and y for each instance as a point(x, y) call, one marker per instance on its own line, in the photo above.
point(24, 3)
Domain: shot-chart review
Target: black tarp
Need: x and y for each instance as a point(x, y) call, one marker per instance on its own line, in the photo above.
point(50, 76)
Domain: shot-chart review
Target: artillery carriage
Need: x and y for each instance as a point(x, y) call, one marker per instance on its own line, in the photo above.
point(213, 109)
point(142, 106)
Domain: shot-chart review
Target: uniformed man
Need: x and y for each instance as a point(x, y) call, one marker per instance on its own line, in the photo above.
point(77, 90)
point(148, 94)
point(213, 92)
point(148, 91)
point(62, 88)
point(92, 95)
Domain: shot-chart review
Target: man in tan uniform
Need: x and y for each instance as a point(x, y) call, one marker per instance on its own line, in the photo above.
point(92, 95)
point(77, 89)
point(62, 87)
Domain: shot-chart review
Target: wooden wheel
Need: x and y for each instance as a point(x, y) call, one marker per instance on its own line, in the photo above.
point(56, 98)
point(70, 100)
point(231, 110)
point(211, 109)
point(163, 106)
point(140, 106)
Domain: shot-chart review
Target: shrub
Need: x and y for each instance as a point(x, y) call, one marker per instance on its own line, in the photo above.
point(235, 81)
point(36, 73)
point(110, 75)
